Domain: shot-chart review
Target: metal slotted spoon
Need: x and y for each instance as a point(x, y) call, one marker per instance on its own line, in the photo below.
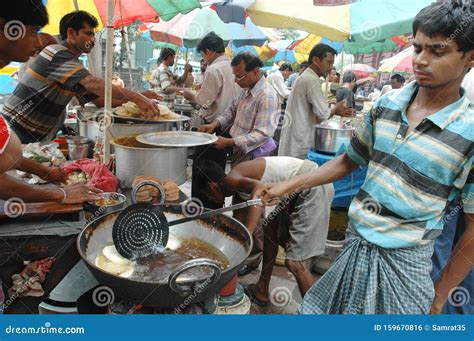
point(142, 229)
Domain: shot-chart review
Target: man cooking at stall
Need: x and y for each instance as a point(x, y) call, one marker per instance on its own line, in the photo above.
point(299, 223)
point(32, 15)
point(35, 110)
point(418, 144)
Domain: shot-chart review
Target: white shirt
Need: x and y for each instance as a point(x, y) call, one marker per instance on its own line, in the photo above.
point(280, 168)
point(468, 85)
point(277, 81)
point(218, 88)
point(306, 107)
point(198, 78)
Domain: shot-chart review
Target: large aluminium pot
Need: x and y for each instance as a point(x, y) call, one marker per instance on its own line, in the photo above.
point(94, 129)
point(330, 135)
point(221, 231)
point(133, 158)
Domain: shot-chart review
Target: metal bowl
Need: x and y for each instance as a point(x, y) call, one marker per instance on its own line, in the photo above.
point(329, 136)
point(99, 210)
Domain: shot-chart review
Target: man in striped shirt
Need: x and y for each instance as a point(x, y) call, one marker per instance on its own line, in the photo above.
point(36, 109)
point(418, 145)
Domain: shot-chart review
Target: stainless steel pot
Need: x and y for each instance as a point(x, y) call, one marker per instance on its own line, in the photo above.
point(94, 129)
point(330, 135)
point(133, 158)
point(78, 147)
point(224, 232)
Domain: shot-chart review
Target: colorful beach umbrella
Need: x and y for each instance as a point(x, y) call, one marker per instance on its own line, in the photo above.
point(362, 21)
point(264, 52)
point(187, 29)
point(401, 62)
point(290, 56)
point(126, 11)
point(232, 10)
point(360, 70)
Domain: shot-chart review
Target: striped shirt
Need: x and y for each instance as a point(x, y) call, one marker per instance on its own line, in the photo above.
point(253, 116)
point(164, 78)
point(411, 179)
point(41, 96)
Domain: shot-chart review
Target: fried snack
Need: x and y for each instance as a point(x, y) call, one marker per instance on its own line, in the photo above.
point(146, 193)
point(171, 189)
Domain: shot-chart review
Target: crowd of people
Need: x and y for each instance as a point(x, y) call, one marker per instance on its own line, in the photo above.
point(419, 157)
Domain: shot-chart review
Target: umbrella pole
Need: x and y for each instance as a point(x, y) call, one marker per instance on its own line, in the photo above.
point(108, 76)
point(342, 66)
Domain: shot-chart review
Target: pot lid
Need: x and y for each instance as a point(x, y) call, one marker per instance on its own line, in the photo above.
point(177, 139)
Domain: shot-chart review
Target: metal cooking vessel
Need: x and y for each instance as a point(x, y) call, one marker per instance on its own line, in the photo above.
point(133, 158)
point(221, 231)
point(330, 135)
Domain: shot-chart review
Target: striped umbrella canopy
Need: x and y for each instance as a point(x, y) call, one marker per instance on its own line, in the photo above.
point(263, 52)
point(401, 62)
point(290, 56)
point(126, 11)
point(363, 21)
point(306, 44)
point(187, 29)
point(360, 70)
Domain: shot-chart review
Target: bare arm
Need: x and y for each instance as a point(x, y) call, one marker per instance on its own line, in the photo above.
point(459, 265)
point(331, 171)
point(97, 86)
point(52, 174)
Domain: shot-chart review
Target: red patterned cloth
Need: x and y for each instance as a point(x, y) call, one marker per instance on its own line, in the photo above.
point(100, 176)
point(4, 134)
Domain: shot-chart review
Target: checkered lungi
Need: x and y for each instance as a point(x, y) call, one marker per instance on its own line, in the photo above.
point(368, 279)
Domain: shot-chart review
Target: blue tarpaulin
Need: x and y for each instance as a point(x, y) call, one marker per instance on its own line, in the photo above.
point(345, 189)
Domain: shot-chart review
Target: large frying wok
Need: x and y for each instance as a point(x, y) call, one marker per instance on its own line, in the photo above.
point(223, 232)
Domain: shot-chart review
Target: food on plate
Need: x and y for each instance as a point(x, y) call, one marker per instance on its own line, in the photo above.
point(77, 178)
point(111, 261)
point(167, 114)
point(129, 109)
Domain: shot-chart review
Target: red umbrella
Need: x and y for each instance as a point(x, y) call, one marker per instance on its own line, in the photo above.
point(360, 70)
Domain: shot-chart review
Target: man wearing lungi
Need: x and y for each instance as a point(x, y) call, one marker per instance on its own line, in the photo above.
point(417, 142)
